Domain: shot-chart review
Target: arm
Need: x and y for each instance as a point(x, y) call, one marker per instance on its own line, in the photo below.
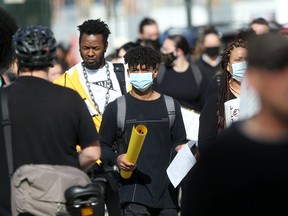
point(89, 155)
point(108, 133)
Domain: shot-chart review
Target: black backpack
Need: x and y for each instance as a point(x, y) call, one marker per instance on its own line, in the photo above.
point(119, 70)
point(121, 115)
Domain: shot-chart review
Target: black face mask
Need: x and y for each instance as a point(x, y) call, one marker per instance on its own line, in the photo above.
point(212, 51)
point(168, 58)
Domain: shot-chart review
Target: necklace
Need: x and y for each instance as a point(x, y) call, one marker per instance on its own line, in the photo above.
point(107, 96)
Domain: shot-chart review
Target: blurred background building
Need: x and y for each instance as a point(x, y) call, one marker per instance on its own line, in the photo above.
point(124, 16)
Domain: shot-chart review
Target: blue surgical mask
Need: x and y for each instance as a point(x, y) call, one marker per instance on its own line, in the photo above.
point(141, 81)
point(239, 70)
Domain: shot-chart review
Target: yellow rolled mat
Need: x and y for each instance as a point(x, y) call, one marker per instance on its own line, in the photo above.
point(137, 138)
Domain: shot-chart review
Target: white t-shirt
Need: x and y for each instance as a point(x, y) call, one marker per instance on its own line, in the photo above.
point(98, 81)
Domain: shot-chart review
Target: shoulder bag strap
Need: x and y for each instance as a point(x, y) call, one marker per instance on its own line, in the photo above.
point(6, 124)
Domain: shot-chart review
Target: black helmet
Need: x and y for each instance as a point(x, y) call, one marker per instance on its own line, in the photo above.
point(35, 46)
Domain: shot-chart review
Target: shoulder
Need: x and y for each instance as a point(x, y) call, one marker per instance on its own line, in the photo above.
point(111, 106)
point(75, 69)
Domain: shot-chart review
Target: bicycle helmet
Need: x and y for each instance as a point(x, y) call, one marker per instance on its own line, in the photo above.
point(34, 46)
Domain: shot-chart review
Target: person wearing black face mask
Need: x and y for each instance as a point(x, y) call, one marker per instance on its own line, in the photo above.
point(169, 59)
point(148, 34)
point(209, 60)
point(212, 52)
point(182, 80)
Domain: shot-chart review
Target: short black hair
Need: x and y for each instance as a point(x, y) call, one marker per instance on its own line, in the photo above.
point(94, 27)
point(269, 51)
point(8, 27)
point(143, 56)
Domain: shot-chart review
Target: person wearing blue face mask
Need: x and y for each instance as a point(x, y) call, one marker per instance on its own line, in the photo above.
point(148, 191)
point(239, 70)
point(212, 118)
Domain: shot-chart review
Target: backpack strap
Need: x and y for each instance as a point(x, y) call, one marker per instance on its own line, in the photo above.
point(121, 115)
point(119, 70)
point(121, 112)
point(170, 105)
point(197, 73)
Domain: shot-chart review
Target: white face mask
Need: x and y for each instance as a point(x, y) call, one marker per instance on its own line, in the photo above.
point(239, 70)
point(141, 81)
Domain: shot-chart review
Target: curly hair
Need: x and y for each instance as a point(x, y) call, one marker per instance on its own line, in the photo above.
point(94, 27)
point(143, 56)
point(8, 26)
point(225, 93)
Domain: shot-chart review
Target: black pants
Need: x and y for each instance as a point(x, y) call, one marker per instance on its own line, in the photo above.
point(112, 202)
point(134, 209)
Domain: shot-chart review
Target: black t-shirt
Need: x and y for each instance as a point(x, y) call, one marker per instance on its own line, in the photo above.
point(183, 87)
point(149, 183)
point(208, 69)
point(48, 121)
point(239, 175)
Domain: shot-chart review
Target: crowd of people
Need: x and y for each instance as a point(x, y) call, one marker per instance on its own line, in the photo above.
point(68, 114)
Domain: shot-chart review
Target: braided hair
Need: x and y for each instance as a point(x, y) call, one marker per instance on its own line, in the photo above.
point(225, 93)
point(143, 56)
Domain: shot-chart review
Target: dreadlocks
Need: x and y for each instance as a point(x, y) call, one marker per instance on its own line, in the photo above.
point(225, 93)
point(143, 56)
point(94, 27)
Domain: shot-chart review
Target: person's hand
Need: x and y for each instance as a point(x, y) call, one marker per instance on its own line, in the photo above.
point(177, 149)
point(124, 165)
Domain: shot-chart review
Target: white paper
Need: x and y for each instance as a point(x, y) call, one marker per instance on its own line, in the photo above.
point(231, 111)
point(181, 164)
point(191, 123)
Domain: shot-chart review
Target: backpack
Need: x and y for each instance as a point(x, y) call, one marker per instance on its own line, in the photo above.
point(121, 113)
point(119, 70)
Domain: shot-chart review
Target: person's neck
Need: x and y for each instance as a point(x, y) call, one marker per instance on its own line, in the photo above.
point(36, 73)
point(235, 87)
point(265, 126)
point(148, 95)
point(213, 61)
point(181, 64)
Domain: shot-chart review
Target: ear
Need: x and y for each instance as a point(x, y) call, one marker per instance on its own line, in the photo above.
point(155, 73)
point(229, 68)
point(106, 46)
point(179, 51)
point(128, 72)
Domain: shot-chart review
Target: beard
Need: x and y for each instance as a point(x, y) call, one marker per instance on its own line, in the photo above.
point(96, 65)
